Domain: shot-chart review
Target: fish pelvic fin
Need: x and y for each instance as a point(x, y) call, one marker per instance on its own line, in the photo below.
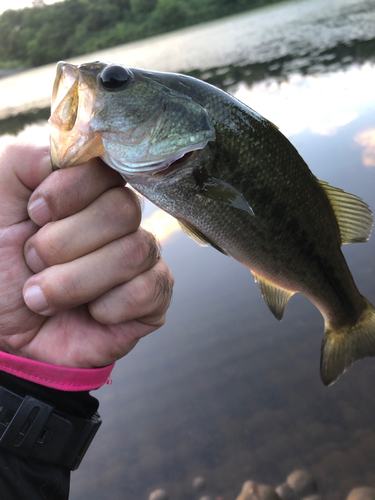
point(353, 215)
point(341, 348)
point(276, 297)
point(197, 235)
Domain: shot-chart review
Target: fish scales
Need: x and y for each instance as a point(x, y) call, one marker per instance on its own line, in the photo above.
point(231, 179)
point(274, 180)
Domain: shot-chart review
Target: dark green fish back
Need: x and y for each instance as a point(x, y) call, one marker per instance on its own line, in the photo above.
point(294, 229)
point(253, 197)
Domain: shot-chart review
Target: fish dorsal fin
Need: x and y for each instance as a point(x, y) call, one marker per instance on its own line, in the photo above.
point(276, 297)
point(198, 236)
point(353, 214)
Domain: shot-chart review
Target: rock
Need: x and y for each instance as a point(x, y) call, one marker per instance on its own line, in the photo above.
point(285, 492)
point(302, 483)
point(158, 495)
point(363, 493)
point(253, 491)
point(199, 483)
point(313, 497)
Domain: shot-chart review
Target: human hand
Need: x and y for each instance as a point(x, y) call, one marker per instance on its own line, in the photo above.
point(93, 281)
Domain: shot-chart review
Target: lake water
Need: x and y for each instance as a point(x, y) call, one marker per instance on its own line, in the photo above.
point(223, 390)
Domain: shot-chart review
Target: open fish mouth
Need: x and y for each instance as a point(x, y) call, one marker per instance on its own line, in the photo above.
point(165, 166)
point(142, 130)
point(175, 166)
point(66, 77)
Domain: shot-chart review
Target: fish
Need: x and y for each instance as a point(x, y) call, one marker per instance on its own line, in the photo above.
point(231, 179)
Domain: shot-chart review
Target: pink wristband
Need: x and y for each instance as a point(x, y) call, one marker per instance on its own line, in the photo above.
point(63, 378)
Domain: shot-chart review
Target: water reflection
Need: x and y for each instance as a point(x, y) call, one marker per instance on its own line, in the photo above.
point(311, 60)
point(36, 133)
point(15, 124)
point(366, 139)
point(161, 225)
point(339, 98)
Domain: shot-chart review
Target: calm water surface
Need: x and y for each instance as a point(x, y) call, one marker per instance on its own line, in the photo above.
point(224, 390)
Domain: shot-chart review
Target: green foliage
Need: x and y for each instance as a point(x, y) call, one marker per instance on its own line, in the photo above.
point(169, 13)
point(48, 33)
point(142, 6)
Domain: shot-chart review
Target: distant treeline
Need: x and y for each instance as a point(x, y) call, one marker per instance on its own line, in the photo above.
point(47, 33)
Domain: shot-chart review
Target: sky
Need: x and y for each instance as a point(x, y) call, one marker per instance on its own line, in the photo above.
point(19, 4)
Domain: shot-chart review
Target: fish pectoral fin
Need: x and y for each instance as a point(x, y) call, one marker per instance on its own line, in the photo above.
point(198, 236)
point(220, 190)
point(276, 297)
point(342, 347)
point(353, 215)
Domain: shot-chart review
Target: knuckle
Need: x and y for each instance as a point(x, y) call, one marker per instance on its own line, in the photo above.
point(50, 191)
point(68, 289)
point(123, 204)
point(154, 248)
point(164, 282)
point(161, 321)
point(141, 250)
point(140, 294)
point(152, 296)
point(49, 245)
point(58, 289)
point(103, 310)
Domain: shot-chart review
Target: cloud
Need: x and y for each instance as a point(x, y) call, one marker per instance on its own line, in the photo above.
point(366, 139)
point(321, 103)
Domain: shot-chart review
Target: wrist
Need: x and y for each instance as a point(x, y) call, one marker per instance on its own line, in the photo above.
point(58, 377)
point(44, 424)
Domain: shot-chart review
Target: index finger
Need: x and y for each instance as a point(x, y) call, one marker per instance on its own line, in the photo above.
point(31, 164)
point(22, 168)
point(66, 192)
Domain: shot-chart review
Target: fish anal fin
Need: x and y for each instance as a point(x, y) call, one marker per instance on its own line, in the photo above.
point(276, 297)
point(353, 215)
point(198, 236)
point(341, 348)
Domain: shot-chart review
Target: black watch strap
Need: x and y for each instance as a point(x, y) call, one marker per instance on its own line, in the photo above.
point(32, 428)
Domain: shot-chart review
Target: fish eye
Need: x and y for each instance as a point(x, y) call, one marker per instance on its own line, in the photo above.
point(114, 78)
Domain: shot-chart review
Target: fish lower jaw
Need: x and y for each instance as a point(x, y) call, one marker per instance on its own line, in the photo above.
point(175, 166)
point(159, 169)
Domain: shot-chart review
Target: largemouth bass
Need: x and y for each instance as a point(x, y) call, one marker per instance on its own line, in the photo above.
point(231, 179)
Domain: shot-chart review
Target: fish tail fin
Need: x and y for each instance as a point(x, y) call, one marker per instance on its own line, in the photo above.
point(341, 348)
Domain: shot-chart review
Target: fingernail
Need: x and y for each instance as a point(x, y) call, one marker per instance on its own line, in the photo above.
point(35, 299)
point(39, 211)
point(33, 260)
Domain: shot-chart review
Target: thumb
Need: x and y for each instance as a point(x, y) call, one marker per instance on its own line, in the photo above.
point(22, 168)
